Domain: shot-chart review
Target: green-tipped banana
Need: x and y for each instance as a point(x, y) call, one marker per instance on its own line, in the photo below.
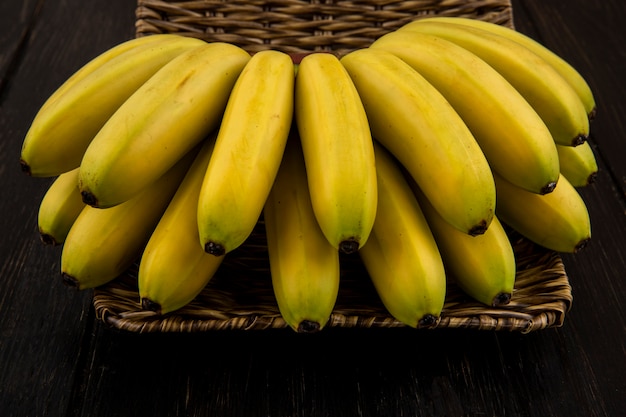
point(482, 266)
point(564, 68)
point(303, 264)
point(538, 82)
point(174, 267)
point(59, 208)
point(178, 107)
point(578, 164)
point(338, 151)
point(558, 221)
point(71, 117)
point(401, 255)
point(413, 120)
point(249, 147)
point(103, 243)
point(513, 137)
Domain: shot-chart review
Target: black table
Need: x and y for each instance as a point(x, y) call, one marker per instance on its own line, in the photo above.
point(57, 359)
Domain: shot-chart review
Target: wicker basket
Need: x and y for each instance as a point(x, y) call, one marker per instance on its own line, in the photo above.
point(240, 296)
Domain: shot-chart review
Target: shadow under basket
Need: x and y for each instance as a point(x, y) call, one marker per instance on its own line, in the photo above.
point(240, 295)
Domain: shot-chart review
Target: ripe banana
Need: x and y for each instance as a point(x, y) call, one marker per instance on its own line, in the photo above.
point(411, 119)
point(174, 268)
point(249, 147)
point(178, 107)
point(59, 208)
point(401, 255)
point(482, 266)
point(552, 97)
point(70, 118)
point(513, 137)
point(304, 266)
point(567, 71)
point(103, 243)
point(338, 151)
point(578, 164)
point(558, 221)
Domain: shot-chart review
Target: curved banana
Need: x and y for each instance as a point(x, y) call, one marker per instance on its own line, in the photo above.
point(578, 164)
point(303, 264)
point(159, 123)
point(401, 255)
point(174, 268)
point(338, 151)
point(249, 147)
point(59, 208)
point(411, 118)
point(552, 97)
point(103, 243)
point(482, 266)
point(70, 118)
point(567, 71)
point(513, 137)
point(558, 221)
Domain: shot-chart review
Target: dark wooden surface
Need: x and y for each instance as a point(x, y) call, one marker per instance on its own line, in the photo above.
point(56, 359)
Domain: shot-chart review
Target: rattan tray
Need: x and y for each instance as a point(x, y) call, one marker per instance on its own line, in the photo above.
point(240, 296)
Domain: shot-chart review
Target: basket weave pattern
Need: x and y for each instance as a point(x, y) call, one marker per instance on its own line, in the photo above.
point(240, 296)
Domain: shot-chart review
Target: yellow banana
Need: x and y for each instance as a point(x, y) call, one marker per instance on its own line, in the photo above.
point(103, 243)
point(401, 255)
point(552, 97)
point(411, 119)
point(59, 208)
point(249, 147)
point(338, 151)
point(513, 137)
point(160, 122)
point(567, 71)
point(578, 164)
point(558, 221)
point(482, 266)
point(303, 264)
point(70, 118)
point(174, 268)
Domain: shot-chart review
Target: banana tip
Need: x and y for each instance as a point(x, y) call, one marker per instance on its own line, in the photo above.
point(479, 229)
point(70, 281)
point(582, 244)
point(89, 198)
point(501, 299)
point(214, 249)
point(149, 305)
point(308, 326)
point(548, 188)
point(25, 167)
point(428, 320)
point(349, 246)
point(48, 240)
point(579, 140)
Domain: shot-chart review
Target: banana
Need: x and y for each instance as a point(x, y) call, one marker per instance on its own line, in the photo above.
point(578, 164)
point(70, 118)
point(174, 268)
point(338, 151)
point(514, 139)
point(558, 221)
point(552, 97)
point(401, 255)
point(249, 147)
point(103, 243)
point(482, 266)
point(173, 111)
point(59, 208)
point(304, 266)
point(411, 119)
point(567, 71)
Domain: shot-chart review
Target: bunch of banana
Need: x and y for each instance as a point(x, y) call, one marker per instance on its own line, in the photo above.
point(413, 152)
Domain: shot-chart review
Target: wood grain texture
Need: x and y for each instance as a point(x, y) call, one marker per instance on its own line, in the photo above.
point(56, 359)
